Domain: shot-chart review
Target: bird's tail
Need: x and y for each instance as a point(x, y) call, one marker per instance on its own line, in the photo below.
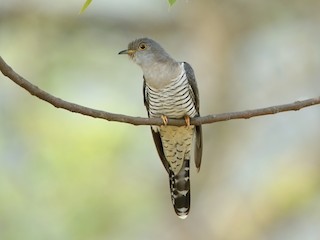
point(180, 190)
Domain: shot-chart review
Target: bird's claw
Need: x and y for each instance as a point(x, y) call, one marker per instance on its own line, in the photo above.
point(187, 120)
point(164, 120)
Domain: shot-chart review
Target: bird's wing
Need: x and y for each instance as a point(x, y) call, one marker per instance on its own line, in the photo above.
point(155, 135)
point(194, 92)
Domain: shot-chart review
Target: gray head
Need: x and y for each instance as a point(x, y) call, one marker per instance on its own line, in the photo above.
point(157, 66)
point(145, 51)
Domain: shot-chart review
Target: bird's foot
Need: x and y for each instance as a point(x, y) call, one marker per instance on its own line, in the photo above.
point(187, 120)
point(164, 120)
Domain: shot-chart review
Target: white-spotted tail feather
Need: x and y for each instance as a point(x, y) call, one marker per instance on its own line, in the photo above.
point(180, 190)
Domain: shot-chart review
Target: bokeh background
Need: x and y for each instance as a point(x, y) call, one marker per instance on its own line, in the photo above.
point(67, 176)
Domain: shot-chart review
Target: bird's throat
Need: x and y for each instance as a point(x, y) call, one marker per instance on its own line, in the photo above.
point(159, 75)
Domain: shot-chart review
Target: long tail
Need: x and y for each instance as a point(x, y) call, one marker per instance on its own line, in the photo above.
point(180, 190)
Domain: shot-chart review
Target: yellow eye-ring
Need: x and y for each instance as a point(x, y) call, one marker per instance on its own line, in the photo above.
point(142, 46)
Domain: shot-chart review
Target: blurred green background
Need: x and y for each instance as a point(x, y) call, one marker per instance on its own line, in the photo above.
point(67, 176)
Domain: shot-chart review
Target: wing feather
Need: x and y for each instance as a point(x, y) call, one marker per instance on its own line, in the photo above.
point(194, 92)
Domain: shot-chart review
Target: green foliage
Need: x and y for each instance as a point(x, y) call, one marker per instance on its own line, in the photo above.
point(171, 2)
point(87, 3)
point(85, 6)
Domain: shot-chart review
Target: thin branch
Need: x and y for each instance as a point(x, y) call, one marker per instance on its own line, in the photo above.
point(72, 107)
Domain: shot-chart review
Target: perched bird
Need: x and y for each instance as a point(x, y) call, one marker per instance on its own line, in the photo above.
point(170, 91)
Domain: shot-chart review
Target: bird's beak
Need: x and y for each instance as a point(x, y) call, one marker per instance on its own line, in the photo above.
point(127, 51)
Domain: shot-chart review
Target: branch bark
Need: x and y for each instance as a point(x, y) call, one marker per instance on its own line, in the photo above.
point(72, 107)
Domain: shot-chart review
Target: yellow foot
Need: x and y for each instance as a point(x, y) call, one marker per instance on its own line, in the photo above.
point(187, 120)
point(164, 120)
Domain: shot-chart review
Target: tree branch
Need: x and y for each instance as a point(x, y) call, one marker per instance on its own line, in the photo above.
point(72, 107)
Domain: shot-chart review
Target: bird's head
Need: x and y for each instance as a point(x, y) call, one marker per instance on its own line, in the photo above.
point(145, 51)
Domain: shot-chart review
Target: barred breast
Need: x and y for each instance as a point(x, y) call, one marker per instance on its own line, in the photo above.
point(173, 101)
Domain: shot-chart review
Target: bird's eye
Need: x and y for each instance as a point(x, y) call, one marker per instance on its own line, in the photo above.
point(142, 46)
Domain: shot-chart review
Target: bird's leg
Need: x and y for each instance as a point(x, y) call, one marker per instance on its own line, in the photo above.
point(187, 120)
point(164, 120)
